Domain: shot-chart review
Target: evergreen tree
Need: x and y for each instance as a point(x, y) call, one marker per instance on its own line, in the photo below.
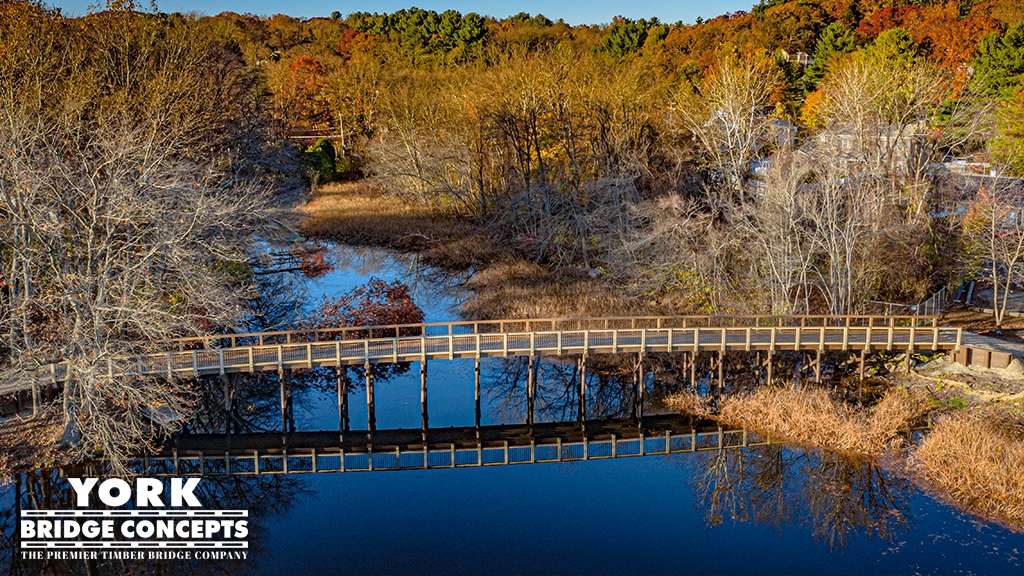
point(999, 66)
point(836, 39)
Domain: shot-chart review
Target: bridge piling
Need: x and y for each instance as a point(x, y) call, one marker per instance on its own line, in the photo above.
point(530, 387)
point(721, 371)
point(640, 390)
point(423, 397)
point(284, 405)
point(342, 386)
point(371, 411)
point(583, 392)
point(476, 378)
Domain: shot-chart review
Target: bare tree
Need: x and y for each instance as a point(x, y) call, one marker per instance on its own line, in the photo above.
point(726, 115)
point(115, 233)
point(775, 226)
point(993, 231)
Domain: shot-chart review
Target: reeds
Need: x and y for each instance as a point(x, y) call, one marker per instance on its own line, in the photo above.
point(515, 288)
point(812, 417)
point(355, 213)
point(976, 458)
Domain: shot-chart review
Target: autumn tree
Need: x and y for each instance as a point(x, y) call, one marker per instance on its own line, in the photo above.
point(116, 222)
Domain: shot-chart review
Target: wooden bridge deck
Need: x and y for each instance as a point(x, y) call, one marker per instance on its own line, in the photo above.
point(344, 347)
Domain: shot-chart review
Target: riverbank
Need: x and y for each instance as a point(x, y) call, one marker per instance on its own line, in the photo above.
point(504, 284)
point(973, 456)
point(31, 443)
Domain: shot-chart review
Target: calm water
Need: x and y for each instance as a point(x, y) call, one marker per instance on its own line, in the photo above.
point(765, 510)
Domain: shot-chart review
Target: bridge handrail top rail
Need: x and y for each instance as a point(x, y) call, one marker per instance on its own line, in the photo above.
point(423, 325)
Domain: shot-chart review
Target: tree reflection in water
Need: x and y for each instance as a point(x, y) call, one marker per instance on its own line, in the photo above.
point(835, 495)
point(611, 390)
point(263, 496)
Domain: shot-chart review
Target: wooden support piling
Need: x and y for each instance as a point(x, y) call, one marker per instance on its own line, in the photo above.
point(640, 390)
point(693, 370)
point(476, 378)
point(423, 395)
point(583, 392)
point(371, 411)
point(284, 399)
point(863, 361)
point(721, 371)
point(817, 366)
point(530, 387)
point(342, 386)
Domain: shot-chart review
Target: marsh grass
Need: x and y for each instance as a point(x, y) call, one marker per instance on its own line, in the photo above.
point(355, 213)
point(813, 417)
point(520, 289)
point(976, 458)
point(505, 285)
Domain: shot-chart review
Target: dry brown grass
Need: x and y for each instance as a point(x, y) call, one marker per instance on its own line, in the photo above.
point(976, 458)
point(812, 417)
point(506, 286)
point(357, 214)
point(521, 289)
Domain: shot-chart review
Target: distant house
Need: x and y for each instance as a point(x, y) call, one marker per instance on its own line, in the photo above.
point(901, 147)
point(802, 59)
point(782, 133)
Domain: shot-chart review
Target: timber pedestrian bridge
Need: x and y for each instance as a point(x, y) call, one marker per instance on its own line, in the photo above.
point(306, 349)
point(368, 346)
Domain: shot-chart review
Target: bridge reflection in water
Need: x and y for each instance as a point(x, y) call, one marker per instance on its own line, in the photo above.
point(462, 447)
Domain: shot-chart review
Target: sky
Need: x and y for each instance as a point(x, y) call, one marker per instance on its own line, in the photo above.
point(572, 11)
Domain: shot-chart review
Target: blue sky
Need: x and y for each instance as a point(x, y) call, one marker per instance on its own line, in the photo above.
point(572, 11)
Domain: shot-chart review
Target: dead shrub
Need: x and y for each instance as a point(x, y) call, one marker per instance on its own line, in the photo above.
point(977, 459)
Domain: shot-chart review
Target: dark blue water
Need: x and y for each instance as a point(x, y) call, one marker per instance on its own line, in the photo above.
point(649, 515)
point(768, 510)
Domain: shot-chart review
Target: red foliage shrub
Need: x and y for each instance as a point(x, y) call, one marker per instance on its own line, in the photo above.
point(376, 303)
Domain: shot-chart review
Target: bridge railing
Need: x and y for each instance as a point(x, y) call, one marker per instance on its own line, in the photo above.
point(541, 325)
point(310, 354)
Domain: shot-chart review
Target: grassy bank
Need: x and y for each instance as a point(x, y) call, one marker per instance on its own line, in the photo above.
point(355, 213)
point(976, 459)
point(505, 285)
point(813, 417)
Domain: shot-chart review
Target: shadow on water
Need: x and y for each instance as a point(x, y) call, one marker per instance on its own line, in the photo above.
point(838, 497)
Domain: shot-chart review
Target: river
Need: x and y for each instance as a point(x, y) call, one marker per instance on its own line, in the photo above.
point(760, 510)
